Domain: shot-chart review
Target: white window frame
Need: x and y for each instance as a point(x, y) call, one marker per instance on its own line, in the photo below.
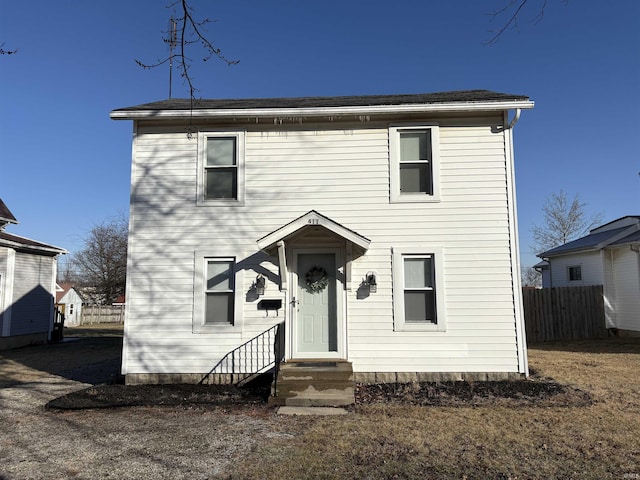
point(398, 256)
point(202, 258)
point(395, 160)
point(569, 268)
point(202, 162)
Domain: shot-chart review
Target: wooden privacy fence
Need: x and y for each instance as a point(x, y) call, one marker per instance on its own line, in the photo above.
point(102, 314)
point(566, 313)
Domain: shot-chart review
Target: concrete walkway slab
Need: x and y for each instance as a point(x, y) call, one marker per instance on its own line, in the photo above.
point(287, 410)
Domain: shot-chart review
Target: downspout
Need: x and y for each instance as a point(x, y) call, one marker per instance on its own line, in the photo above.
point(515, 119)
point(521, 338)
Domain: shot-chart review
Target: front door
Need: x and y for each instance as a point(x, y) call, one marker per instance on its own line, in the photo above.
point(316, 306)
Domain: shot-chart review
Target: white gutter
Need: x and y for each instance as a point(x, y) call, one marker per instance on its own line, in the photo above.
point(326, 111)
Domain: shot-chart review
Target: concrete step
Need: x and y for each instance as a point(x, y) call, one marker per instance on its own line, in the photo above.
point(312, 383)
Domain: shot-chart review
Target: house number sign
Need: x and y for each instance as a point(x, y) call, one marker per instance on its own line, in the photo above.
point(313, 221)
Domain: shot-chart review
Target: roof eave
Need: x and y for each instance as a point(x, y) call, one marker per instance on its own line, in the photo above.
point(50, 249)
point(490, 106)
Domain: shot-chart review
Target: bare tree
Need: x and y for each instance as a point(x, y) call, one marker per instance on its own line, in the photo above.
point(188, 32)
point(564, 220)
point(531, 277)
point(511, 13)
point(102, 264)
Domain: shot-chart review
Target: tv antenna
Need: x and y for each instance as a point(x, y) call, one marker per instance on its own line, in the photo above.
point(173, 42)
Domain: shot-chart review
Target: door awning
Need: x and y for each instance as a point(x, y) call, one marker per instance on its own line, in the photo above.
point(312, 219)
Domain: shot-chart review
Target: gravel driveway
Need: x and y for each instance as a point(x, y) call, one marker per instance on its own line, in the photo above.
point(139, 442)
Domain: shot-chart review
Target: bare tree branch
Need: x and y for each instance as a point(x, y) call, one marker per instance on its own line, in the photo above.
point(190, 32)
point(7, 52)
point(514, 9)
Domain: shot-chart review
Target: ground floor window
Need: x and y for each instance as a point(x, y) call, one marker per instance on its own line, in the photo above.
point(219, 292)
point(214, 293)
point(417, 289)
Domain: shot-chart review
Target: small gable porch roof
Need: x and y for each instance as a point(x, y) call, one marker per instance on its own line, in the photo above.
point(311, 219)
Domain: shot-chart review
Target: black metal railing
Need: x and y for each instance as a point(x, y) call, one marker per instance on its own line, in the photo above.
point(254, 357)
point(57, 334)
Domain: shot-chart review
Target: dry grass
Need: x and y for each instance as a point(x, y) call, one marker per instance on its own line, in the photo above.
point(601, 441)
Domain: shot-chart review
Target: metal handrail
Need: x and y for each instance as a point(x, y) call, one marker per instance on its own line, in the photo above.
point(253, 357)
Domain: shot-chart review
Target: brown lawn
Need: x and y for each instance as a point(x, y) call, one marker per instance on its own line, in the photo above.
point(600, 441)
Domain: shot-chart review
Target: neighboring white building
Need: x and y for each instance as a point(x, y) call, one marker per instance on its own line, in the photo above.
point(383, 227)
point(70, 303)
point(608, 256)
point(27, 287)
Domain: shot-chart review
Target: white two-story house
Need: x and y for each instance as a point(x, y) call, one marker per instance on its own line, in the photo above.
point(377, 231)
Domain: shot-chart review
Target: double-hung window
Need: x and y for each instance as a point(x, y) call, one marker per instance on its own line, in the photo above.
point(221, 167)
point(219, 292)
point(214, 293)
point(414, 158)
point(418, 289)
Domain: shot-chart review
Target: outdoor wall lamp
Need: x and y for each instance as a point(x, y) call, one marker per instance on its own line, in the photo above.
point(260, 284)
point(372, 280)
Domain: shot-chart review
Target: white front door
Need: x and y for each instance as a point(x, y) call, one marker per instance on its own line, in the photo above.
point(316, 306)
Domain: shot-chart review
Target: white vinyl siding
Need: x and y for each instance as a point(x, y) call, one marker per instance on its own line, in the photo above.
point(343, 172)
point(626, 285)
point(32, 303)
point(591, 270)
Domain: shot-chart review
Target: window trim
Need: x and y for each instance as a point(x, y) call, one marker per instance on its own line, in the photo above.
point(569, 268)
point(398, 256)
point(240, 137)
point(202, 257)
point(395, 160)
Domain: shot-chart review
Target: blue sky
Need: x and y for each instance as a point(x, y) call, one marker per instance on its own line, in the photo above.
point(65, 166)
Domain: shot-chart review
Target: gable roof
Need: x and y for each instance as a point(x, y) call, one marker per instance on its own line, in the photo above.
point(65, 287)
point(26, 244)
point(5, 214)
point(599, 239)
point(312, 219)
point(461, 100)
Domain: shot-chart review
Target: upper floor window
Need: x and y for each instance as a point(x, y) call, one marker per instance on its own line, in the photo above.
point(221, 167)
point(414, 158)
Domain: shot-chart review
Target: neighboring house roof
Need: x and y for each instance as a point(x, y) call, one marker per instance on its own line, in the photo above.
point(599, 238)
point(26, 244)
point(5, 215)
point(64, 289)
point(473, 99)
point(541, 265)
